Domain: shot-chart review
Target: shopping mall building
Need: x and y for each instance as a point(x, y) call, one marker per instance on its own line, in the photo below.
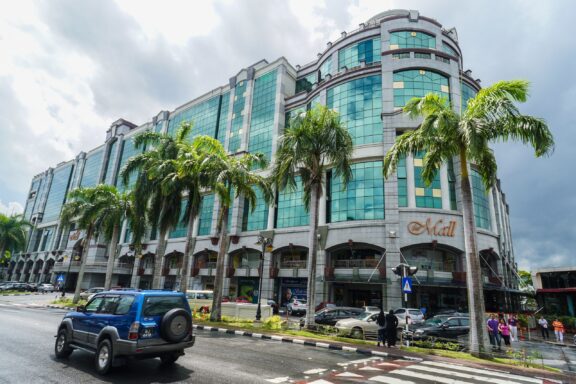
point(367, 75)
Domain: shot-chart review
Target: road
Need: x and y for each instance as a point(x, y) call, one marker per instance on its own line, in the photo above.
point(27, 340)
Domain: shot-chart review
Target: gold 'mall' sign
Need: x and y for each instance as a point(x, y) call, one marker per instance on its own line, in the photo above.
point(436, 229)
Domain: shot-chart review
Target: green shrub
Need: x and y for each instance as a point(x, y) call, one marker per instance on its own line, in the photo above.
point(273, 323)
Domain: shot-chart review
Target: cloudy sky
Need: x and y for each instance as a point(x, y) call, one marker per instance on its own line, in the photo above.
point(69, 68)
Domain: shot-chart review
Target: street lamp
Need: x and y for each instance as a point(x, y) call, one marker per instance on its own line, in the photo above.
point(265, 242)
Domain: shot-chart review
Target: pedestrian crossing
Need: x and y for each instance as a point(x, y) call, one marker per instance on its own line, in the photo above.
point(400, 371)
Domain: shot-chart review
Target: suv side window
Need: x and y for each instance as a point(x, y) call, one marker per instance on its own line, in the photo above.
point(94, 305)
point(124, 304)
point(159, 305)
point(452, 323)
point(399, 311)
point(464, 321)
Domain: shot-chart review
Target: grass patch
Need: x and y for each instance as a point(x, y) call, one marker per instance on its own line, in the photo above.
point(12, 293)
point(67, 302)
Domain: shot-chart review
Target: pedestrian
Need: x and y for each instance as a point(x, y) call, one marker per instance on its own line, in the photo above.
point(558, 330)
point(504, 331)
point(513, 323)
point(391, 328)
point(543, 323)
point(493, 332)
point(381, 321)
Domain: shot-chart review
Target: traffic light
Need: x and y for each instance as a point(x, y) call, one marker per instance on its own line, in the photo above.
point(398, 270)
point(411, 270)
point(404, 270)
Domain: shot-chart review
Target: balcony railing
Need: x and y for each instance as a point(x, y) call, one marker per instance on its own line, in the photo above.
point(365, 263)
point(211, 264)
point(293, 264)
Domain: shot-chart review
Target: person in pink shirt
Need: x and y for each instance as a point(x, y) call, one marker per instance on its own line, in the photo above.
point(504, 330)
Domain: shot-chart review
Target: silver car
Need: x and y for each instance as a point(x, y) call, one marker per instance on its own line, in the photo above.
point(415, 316)
point(363, 326)
point(87, 294)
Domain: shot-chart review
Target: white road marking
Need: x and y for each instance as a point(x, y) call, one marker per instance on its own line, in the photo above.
point(349, 374)
point(462, 375)
point(390, 380)
point(482, 371)
point(369, 369)
point(314, 371)
point(361, 361)
point(321, 381)
point(279, 380)
point(434, 379)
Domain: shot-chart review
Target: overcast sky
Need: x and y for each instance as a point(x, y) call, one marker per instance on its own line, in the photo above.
point(69, 68)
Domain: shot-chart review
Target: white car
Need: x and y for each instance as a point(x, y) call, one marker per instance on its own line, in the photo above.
point(46, 288)
point(87, 294)
point(363, 326)
point(415, 316)
point(296, 306)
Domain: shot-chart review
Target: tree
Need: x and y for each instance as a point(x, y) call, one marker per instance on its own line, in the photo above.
point(156, 197)
point(13, 231)
point(233, 175)
point(313, 143)
point(491, 115)
point(83, 208)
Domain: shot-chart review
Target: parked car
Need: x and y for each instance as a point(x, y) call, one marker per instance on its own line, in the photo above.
point(117, 325)
point(89, 292)
point(20, 287)
point(46, 288)
point(296, 306)
point(370, 308)
point(415, 316)
point(360, 327)
point(329, 316)
point(450, 328)
point(323, 305)
point(33, 287)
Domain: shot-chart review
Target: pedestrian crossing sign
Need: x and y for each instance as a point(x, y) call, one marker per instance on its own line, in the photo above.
point(407, 284)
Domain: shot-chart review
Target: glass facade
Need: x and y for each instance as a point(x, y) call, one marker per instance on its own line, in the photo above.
point(32, 198)
point(363, 198)
point(180, 229)
point(91, 171)
point(258, 219)
point(57, 194)
point(262, 115)
point(304, 84)
point(325, 68)
point(205, 217)
point(291, 211)
point(449, 50)
point(46, 239)
point(367, 51)
point(402, 182)
point(203, 117)
point(359, 103)
point(112, 155)
point(223, 118)
point(237, 117)
point(426, 196)
point(481, 201)
point(452, 185)
point(411, 39)
point(467, 93)
point(417, 83)
point(128, 150)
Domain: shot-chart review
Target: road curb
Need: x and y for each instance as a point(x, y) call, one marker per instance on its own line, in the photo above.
point(308, 343)
point(21, 294)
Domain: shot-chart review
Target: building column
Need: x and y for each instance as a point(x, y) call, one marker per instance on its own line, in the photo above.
point(410, 181)
point(323, 201)
point(445, 186)
point(271, 216)
point(493, 224)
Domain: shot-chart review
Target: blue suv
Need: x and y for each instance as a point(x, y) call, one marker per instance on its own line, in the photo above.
point(117, 325)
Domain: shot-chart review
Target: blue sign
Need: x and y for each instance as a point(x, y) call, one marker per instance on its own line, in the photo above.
point(407, 284)
point(60, 278)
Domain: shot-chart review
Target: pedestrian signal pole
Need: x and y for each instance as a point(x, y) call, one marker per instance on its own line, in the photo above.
point(405, 271)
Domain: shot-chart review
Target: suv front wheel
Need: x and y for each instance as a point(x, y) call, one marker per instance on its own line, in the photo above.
point(61, 348)
point(103, 358)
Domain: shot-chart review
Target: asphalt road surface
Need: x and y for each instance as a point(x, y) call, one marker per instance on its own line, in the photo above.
point(27, 330)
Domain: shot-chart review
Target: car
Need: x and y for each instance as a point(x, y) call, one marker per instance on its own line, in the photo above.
point(415, 316)
point(120, 325)
point(33, 287)
point(20, 287)
point(296, 306)
point(362, 326)
point(329, 316)
point(86, 295)
point(370, 308)
point(46, 288)
point(324, 304)
point(450, 328)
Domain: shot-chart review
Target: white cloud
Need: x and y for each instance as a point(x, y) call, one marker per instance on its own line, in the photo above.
point(13, 208)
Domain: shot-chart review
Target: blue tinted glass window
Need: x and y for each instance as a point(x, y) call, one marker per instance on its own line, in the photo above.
point(205, 220)
point(202, 116)
point(262, 115)
point(257, 219)
point(359, 103)
point(237, 117)
point(448, 49)
point(57, 194)
point(417, 83)
point(180, 229)
point(112, 154)
point(467, 93)
point(367, 51)
point(32, 198)
point(481, 202)
point(402, 182)
point(128, 150)
point(452, 184)
point(411, 39)
point(363, 199)
point(223, 117)
point(92, 169)
point(305, 83)
point(426, 196)
point(291, 211)
point(326, 68)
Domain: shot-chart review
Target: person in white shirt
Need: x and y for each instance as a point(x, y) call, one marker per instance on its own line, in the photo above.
point(543, 323)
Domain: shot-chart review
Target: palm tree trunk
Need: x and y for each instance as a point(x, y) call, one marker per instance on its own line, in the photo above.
point(159, 260)
point(474, 284)
point(312, 250)
point(83, 257)
point(216, 313)
point(188, 251)
point(134, 280)
point(112, 256)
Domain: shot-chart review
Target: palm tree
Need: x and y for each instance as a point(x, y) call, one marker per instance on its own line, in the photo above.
point(233, 175)
point(156, 196)
point(83, 208)
point(13, 231)
point(195, 165)
point(490, 116)
point(313, 143)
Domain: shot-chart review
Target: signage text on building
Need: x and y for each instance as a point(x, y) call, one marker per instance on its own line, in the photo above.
point(433, 229)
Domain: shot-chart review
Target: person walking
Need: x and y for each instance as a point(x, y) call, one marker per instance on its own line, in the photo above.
point(391, 328)
point(513, 324)
point(543, 323)
point(504, 330)
point(381, 321)
point(558, 330)
point(493, 332)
